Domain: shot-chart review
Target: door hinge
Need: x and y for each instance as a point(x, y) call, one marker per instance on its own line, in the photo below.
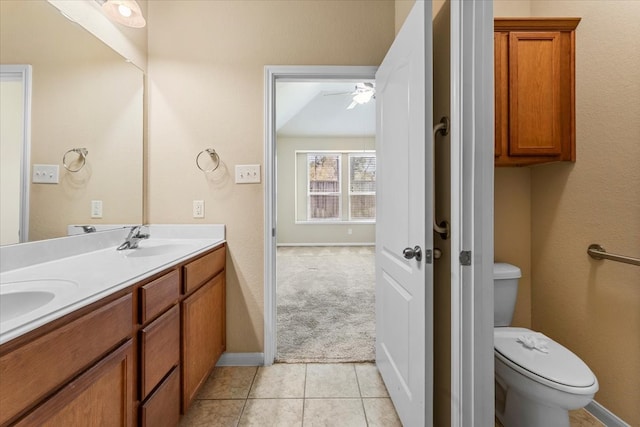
point(465, 257)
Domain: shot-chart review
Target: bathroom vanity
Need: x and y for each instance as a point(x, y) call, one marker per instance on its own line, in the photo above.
point(133, 354)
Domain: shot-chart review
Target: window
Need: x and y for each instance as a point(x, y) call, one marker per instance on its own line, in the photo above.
point(362, 187)
point(324, 190)
point(335, 186)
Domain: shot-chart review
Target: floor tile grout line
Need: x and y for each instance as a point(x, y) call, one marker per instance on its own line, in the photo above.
point(244, 405)
point(364, 411)
point(304, 393)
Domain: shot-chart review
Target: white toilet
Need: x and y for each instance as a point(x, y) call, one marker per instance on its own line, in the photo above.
point(537, 380)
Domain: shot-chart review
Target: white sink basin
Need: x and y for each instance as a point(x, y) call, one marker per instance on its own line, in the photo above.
point(20, 298)
point(16, 304)
point(151, 248)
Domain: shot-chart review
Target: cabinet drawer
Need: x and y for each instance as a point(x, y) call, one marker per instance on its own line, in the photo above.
point(163, 406)
point(159, 349)
point(156, 296)
point(55, 357)
point(204, 268)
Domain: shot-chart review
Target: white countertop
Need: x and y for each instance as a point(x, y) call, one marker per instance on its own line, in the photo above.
point(83, 278)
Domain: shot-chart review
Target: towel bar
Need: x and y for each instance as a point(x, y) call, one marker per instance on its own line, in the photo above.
point(596, 251)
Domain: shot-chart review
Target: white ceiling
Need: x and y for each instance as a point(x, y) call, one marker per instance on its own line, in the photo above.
point(319, 108)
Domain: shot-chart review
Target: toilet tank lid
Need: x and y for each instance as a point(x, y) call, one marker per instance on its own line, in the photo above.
point(502, 270)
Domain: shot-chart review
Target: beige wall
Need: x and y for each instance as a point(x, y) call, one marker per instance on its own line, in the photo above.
point(206, 89)
point(84, 95)
point(291, 185)
point(593, 307)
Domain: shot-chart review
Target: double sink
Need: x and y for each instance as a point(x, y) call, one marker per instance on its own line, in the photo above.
point(39, 293)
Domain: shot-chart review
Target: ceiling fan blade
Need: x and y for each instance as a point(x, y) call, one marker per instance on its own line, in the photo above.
point(337, 93)
point(352, 105)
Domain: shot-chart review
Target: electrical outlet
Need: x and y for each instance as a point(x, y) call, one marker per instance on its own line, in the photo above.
point(96, 209)
point(198, 208)
point(247, 174)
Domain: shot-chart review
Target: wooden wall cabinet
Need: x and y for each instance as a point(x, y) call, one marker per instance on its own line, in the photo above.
point(131, 359)
point(534, 60)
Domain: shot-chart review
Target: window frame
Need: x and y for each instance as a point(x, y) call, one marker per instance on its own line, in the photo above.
point(351, 155)
point(339, 193)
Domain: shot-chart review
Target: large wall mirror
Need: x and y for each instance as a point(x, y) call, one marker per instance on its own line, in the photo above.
point(83, 96)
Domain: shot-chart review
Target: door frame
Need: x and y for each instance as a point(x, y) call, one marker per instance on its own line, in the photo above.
point(23, 73)
point(472, 175)
point(272, 73)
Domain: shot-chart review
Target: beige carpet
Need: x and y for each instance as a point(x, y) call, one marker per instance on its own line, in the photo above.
point(326, 304)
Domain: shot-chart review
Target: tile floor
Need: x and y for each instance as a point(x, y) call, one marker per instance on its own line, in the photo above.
point(577, 418)
point(345, 394)
point(283, 395)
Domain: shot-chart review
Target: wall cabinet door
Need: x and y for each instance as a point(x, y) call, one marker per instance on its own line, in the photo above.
point(202, 334)
point(534, 91)
point(102, 396)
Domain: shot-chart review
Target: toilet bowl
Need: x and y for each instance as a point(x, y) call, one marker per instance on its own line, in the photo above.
point(538, 381)
point(540, 388)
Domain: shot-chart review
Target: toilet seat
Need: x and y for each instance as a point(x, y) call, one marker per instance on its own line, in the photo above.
point(559, 368)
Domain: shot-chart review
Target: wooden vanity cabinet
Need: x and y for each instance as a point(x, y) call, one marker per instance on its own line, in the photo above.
point(137, 357)
point(534, 63)
point(203, 321)
point(83, 351)
point(100, 396)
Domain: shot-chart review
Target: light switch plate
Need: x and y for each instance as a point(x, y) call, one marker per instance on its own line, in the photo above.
point(46, 174)
point(247, 174)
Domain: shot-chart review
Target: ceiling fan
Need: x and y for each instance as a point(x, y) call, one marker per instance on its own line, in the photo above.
point(363, 93)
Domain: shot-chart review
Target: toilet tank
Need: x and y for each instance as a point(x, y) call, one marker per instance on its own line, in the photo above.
point(505, 291)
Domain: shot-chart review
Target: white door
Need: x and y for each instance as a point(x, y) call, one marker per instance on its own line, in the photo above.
point(404, 287)
point(15, 116)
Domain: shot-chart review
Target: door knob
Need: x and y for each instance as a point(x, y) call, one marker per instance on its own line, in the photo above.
point(416, 253)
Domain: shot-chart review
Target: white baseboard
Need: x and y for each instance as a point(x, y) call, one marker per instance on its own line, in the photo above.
point(605, 416)
point(241, 359)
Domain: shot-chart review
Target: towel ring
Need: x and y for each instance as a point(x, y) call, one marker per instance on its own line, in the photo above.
point(214, 157)
point(82, 155)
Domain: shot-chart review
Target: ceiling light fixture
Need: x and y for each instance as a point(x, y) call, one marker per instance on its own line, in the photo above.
point(125, 12)
point(363, 94)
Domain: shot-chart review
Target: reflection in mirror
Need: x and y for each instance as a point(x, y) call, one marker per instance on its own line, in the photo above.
point(84, 95)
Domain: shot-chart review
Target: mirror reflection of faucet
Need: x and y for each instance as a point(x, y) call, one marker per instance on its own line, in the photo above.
point(133, 239)
point(87, 228)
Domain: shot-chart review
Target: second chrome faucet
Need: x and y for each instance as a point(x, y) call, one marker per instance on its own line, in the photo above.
point(133, 239)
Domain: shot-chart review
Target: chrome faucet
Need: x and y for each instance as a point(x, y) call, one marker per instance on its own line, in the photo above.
point(133, 239)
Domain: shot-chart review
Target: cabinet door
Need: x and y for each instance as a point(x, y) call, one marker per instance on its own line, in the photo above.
point(536, 104)
point(102, 396)
point(203, 336)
